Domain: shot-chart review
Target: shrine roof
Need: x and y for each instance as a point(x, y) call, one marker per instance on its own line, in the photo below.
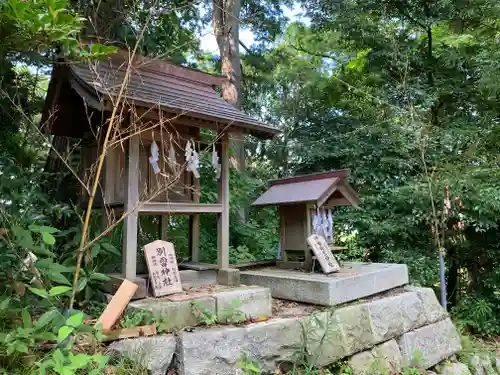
point(161, 84)
point(321, 189)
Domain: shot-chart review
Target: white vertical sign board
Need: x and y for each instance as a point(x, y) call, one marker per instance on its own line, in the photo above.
point(162, 266)
point(323, 253)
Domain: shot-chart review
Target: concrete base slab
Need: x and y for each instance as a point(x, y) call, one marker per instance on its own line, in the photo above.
point(192, 278)
point(352, 282)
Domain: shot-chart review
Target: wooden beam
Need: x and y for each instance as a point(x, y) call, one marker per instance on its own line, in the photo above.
point(223, 217)
point(179, 208)
point(129, 257)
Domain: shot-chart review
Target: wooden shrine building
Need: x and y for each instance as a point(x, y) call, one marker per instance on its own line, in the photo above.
point(156, 102)
point(305, 204)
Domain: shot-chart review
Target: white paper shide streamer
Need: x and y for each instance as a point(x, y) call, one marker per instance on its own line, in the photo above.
point(322, 223)
point(155, 157)
point(215, 163)
point(192, 159)
point(172, 158)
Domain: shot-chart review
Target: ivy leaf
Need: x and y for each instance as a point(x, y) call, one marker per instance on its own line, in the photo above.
point(58, 290)
point(27, 322)
point(39, 292)
point(48, 238)
point(46, 318)
point(80, 360)
point(58, 278)
point(4, 304)
point(48, 264)
point(95, 250)
point(99, 276)
point(110, 248)
point(42, 229)
point(75, 320)
point(42, 251)
point(82, 283)
point(63, 333)
point(48, 336)
point(23, 237)
point(58, 357)
point(21, 347)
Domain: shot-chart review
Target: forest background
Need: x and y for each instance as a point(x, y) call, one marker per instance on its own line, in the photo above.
point(404, 93)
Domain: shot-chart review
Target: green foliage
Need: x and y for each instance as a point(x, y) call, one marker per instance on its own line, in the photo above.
point(403, 96)
point(37, 292)
point(248, 366)
point(134, 318)
point(477, 313)
point(205, 315)
point(232, 314)
point(474, 347)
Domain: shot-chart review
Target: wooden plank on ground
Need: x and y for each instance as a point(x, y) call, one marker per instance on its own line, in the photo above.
point(125, 333)
point(323, 253)
point(118, 303)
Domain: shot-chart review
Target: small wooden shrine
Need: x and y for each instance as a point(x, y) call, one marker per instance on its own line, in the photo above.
point(149, 166)
point(305, 207)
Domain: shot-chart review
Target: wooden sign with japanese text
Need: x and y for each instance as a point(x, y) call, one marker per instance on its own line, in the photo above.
point(162, 265)
point(323, 253)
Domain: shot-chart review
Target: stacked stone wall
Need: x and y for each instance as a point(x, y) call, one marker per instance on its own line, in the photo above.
point(393, 332)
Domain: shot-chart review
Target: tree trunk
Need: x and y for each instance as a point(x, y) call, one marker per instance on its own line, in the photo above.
point(226, 28)
point(102, 20)
point(225, 17)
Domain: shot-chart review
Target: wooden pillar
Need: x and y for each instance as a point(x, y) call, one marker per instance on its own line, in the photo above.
point(129, 255)
point(223, 217)
point(164, 227)
point(194, 225)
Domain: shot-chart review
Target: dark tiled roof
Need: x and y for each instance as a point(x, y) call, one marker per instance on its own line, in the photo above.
point(314, 188)
point(158, 83)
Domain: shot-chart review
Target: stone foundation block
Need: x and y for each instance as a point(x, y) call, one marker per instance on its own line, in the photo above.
point(179, 314)
point(154, 353)
point(429, 345)
point(382, 359)
point(395, 315)
point(434, 312)
point(217, 350)
point(455, 369)
point(252, 302)
point(356, 328)
point(323, 338)
point(228, 276)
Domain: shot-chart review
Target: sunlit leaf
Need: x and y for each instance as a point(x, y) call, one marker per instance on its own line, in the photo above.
point(39, 292)
point(57, 290)
point(63, 333)
point(75, 320)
